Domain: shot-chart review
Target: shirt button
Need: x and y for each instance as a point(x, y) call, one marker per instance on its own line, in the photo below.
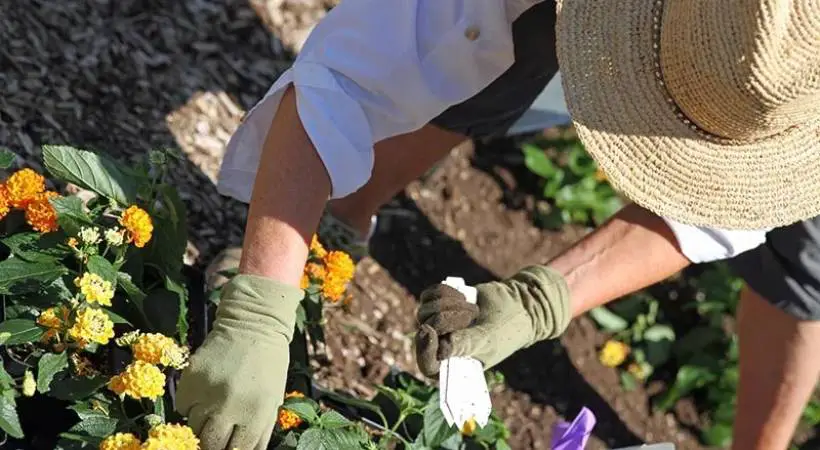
point(472, 33)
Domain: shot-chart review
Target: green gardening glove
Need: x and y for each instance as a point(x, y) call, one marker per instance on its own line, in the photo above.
point(510, 315)
point(232, 390)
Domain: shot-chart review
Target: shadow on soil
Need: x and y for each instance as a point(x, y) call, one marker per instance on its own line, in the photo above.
point(417, 254)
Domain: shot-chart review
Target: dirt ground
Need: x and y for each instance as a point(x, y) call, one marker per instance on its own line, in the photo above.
point(129, 75)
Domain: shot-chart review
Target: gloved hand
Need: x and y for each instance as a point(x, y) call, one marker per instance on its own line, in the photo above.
point(232, 390)
point(513, 314)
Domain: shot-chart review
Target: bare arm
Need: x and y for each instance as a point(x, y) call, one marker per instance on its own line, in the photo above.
point(289, 194)
point(633, 250)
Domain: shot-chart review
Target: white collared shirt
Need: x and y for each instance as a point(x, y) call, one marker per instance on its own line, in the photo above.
point(373, 69)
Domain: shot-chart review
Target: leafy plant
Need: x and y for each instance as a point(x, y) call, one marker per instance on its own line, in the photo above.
point(573, 182)
point(639, 338)
point(78, 281)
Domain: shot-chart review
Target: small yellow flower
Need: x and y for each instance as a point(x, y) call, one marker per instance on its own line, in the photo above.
point(340, 265)
point(637, 371)
point(139, 380)
point(40, 214)
point(23, 186)
point(90, 235)
point(304, 282)
point(114, 237)
point(72, 242)
point(55, 319)
point(317, 250)
point(121, 441)
point(156, 348)
point(294, 394)
point(614, 353)
point(288, 419)
point(315, 271)
point(138, 225)
point(171, 437)
point(600, 175)
point(29, 385)
point(92, 325)
point(5, 205)
point(334, 288)
point(95, 289)
point(469, 427)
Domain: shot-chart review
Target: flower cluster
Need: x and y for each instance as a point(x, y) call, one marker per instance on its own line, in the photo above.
point(138, 226)
point(143, 378)
point(161, 437)
point(91, 325)
point(331, 272)
point(139, 380)
point(95, 289)
point(613, 353)
point(288, 419)
point(26, 190)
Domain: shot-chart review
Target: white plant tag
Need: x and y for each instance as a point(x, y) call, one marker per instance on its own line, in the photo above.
point(464, 393)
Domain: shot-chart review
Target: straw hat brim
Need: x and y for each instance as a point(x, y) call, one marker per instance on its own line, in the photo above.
point(622, 115)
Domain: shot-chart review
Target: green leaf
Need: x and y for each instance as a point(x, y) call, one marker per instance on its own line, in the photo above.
point(319, 439)
point(6, 381)
point(352, 401)
point(688, 379)
point(90, 171)
point(436, 430)
point(116, 318)
point(21, 331)
point(76, 388)
point(19, 277)
point(6, 158)
point(131, 290)
point(34, 247)
point(98, 425)
point(73, 441)
point(47, 367)
point(718, 436)
point(304, 408)
point(404, 401)
point(167, 246)
point(162, 311)
point(502, 445)
point(628, 381)
point(331, 420)
point(659, 339)
point(159, 408)
point(607, 320)
point(182, 319)
point(538, 162)
point(71, 215)
point(9, 421)
point(99, 265)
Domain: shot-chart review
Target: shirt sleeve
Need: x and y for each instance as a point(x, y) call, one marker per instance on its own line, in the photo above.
point(701, 244)
point(372, 69)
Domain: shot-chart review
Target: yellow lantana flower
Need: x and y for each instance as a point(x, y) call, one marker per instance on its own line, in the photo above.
point(614, 353)
point(23, 186)
point(121, 441)
point(317, 250)
point(333, 288)
point(139, 380)
point(29, 385)
point(5, 205)
point(95, 289)
point(40, 214)
point(92, 325)
point(288, 419)
point(55, 319)
point(156, 348)
point(138, 225)
point(340, 265)
point(469, 427)
point(171, 437)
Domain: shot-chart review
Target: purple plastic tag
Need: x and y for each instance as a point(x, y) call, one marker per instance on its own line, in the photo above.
point(573, 436)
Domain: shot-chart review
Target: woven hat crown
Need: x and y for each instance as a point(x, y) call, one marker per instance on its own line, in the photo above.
point(742, 69)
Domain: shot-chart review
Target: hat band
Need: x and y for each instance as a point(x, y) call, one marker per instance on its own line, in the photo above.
point(657, 18)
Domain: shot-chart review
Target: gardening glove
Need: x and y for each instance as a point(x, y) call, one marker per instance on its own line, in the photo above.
point(510, 315)
point(232, 390)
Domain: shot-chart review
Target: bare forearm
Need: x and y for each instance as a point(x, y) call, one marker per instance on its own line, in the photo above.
point(289, 194)
point(633, 250)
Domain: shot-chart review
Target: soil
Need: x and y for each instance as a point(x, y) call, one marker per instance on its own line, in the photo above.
point(130, 75)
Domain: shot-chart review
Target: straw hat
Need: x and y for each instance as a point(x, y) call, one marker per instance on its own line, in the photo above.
point(706, 112)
